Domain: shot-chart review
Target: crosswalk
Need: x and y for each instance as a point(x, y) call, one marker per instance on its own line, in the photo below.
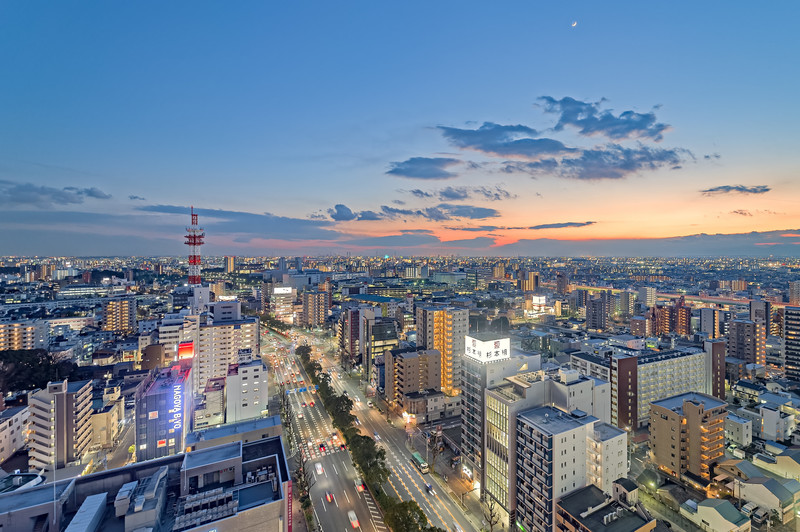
point(375, 514)
point(314, 452)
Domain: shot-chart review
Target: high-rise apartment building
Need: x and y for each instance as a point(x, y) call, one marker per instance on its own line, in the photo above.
point(24, 334)
point(119, 315)
point(480, 370)
point(794, 293)
point(411, 370)
point(59, 424)
point(687, 435)
point(761, 312)
point(444, 329)
point(647, 296)
point(230, 264)
point(163, 412)
point(597, 313)
point(530, 282)
point(791, 342)
point(558, 453)
point(562, 283)
point(567, 390)
point(709, 322)
point(640, 377)
point(315, 308)
point(221, 337)
point(747, 341)
point(640, 326)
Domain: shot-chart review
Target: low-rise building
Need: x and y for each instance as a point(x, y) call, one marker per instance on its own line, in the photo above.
point(13, 423)
point(715, 515)
point(591, 510)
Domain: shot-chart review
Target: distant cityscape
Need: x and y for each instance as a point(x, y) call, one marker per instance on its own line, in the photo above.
point(199, 393)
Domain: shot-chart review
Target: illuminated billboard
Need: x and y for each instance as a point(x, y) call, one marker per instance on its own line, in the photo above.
point(185, 350)
point(487, 351)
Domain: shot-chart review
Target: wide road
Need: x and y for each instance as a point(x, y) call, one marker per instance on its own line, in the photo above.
point(331, 467)
point(406, 482)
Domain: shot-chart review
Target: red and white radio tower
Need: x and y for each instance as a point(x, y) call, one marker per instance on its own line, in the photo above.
point(194, 239)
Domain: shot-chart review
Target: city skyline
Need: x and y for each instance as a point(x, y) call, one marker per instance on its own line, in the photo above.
point(460, 129)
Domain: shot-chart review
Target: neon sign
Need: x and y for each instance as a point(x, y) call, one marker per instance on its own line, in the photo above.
point(177, 407)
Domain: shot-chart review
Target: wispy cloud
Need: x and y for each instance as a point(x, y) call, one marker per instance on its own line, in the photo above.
point(424, 168)
point(496, 193)
point(14, 194)
point(591, 120)
point(611, 161)
point(561, 225)
point(740, 189)
point(441, 212)
point(504, 141)
point(742, 212)
point(254, 225)
point(136, 198)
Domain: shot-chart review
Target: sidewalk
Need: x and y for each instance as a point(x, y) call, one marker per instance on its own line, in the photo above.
point(298, 518)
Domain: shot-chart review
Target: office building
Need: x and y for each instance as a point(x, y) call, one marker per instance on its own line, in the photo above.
point(282, 303)
point(411, 370)
point(747, 341)
point(246, 394)
point(24, 334)
point(566, 389)
point(687, 436)
point(59, 424)
point(716, 368)
point(315, 308)
point(791, 341)
point(640, 377)
point(482, 369)
point(380, 336)
point(162, 413)
point(561, 452)
point(444, 329)
point(119, 315)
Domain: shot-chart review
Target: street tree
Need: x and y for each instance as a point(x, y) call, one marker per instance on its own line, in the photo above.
point(491, 514)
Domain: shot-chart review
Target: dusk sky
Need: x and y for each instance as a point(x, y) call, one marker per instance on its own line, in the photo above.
point(473, 128)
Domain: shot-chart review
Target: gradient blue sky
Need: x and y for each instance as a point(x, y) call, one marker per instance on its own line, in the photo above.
point(663, 120)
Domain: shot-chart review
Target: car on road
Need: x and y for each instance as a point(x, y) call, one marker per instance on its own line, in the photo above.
point(329, 496)
point(300, 415)
point(353, 519)
point(360, 486)
point(358, 422)
point(319, 469)
point(311, 403)
point(369, 404)
point(342, 447)
point(303, 404)
point(377, 436)
point(322, 447)
point(429, 489)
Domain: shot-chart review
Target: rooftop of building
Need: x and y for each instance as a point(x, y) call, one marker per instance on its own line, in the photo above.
point(369, 298)
point(431, 392)
point(10, 412)
point(76, 386)
point(675, 403)
point(551, 420)
point(726, 510)
point(488, 336)
point(579, 502)
point(605, 431)
point(232, 429)
point(212, 455)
